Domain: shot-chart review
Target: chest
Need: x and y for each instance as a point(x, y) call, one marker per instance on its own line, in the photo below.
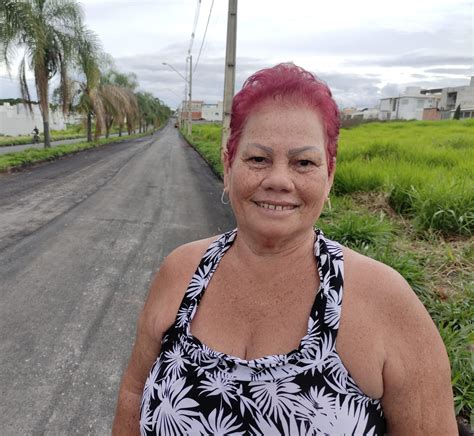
point(252, 315)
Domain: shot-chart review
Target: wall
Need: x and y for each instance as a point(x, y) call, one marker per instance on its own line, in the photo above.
point(17, 120)
point(459, 95)
point(212, 112)
point(431, 114)
point(407, 107)
point(366, 114)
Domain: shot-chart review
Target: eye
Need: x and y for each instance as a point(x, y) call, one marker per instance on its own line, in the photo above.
point(257, 161)
point(305, 163)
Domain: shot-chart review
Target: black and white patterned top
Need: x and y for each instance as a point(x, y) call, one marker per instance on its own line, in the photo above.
point(192, 389)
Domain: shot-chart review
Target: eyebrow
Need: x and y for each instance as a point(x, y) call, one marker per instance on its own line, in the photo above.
point(298, 150)
point(291, 152)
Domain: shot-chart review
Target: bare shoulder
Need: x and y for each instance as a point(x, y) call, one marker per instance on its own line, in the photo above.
point(417, 394)
point(170, 282)
point(373, 279)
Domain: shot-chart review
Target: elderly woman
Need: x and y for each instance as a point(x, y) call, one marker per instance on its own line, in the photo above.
point(272, 328)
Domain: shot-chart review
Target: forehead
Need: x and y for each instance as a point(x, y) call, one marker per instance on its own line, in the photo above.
point(278, 123)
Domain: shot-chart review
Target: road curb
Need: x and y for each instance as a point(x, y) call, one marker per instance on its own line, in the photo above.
point(202, 156)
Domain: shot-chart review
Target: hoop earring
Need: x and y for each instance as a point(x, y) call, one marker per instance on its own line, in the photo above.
point(223, 198)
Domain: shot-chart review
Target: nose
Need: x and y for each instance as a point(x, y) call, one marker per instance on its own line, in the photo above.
point(278, 178)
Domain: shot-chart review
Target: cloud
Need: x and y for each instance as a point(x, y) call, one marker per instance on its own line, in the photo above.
point(208, 78)
point(412, 59)
point(453, 71)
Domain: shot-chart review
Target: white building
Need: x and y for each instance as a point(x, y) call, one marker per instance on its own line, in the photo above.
point(18, 120)
point(410, 105)
point(196, 109)
point(366, 114)
point(462, 96)
point(212, 112)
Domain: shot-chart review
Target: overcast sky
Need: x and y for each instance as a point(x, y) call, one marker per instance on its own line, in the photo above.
point(363, 49)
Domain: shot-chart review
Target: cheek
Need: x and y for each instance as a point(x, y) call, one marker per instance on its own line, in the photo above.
point(315, 190)
point(243, 181)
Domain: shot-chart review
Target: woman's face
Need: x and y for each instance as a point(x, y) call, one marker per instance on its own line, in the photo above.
point(278, 181)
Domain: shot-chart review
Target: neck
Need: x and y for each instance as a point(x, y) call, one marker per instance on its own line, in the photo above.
point(252, 250)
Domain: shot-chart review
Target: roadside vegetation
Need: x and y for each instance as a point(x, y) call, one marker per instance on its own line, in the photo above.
point(403, 194)
point(31, 156)
point(72, 132)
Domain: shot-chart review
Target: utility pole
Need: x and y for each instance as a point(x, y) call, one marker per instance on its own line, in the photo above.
point(229, 78)
point(186, 93)
point(190, 109)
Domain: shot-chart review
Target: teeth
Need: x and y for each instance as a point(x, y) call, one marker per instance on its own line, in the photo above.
point(274, 207)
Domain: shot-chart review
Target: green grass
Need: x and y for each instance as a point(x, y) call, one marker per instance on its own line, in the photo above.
point(31, 156)
point(395, 182)
point(426, 167)
point(73, 131)
point(204, 138)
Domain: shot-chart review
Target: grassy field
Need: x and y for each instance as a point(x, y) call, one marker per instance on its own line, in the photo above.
point(404, 194)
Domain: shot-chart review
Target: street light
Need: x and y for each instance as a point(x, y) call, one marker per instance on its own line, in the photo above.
point(175, 70)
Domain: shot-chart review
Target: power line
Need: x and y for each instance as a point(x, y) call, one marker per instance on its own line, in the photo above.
point(196, 18)
point(204, 37)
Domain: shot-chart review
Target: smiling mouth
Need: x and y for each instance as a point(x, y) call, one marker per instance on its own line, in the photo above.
point(277, 207)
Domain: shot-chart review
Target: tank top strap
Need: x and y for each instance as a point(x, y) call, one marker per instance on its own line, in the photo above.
point(201, 279)
point(330, 261)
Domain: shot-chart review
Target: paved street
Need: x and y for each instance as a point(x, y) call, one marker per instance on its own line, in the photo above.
point(79, 241)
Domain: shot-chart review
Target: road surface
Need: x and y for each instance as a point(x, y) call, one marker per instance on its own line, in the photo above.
point(80, 239)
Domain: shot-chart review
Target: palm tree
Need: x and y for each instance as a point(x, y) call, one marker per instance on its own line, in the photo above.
point(48, 31)
point(89, 58)
point(120, 102)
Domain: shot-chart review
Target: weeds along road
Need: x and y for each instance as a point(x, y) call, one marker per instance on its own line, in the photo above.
point(79, 241)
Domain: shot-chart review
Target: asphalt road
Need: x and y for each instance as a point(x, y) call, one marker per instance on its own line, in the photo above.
point(80, 239)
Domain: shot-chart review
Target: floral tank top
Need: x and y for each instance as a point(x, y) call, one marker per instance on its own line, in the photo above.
point(195, 390)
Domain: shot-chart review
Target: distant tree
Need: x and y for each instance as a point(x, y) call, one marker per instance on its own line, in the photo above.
point(457, 113)
point(49, 32)
point(120, 103)
point(152, 112)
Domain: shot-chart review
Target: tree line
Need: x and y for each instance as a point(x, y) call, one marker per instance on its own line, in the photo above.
point(55, 43)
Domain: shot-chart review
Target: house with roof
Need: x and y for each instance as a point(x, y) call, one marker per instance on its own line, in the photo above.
point(453, 97)
point(410, 105)
point(212, 111)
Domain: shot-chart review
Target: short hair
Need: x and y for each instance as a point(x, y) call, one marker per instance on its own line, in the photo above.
point(285, 82)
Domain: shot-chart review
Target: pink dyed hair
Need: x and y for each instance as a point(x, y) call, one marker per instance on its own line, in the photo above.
point(284, 82)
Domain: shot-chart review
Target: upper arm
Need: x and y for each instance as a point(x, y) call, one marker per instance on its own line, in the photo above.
point(418, 396)
point(160, 309)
